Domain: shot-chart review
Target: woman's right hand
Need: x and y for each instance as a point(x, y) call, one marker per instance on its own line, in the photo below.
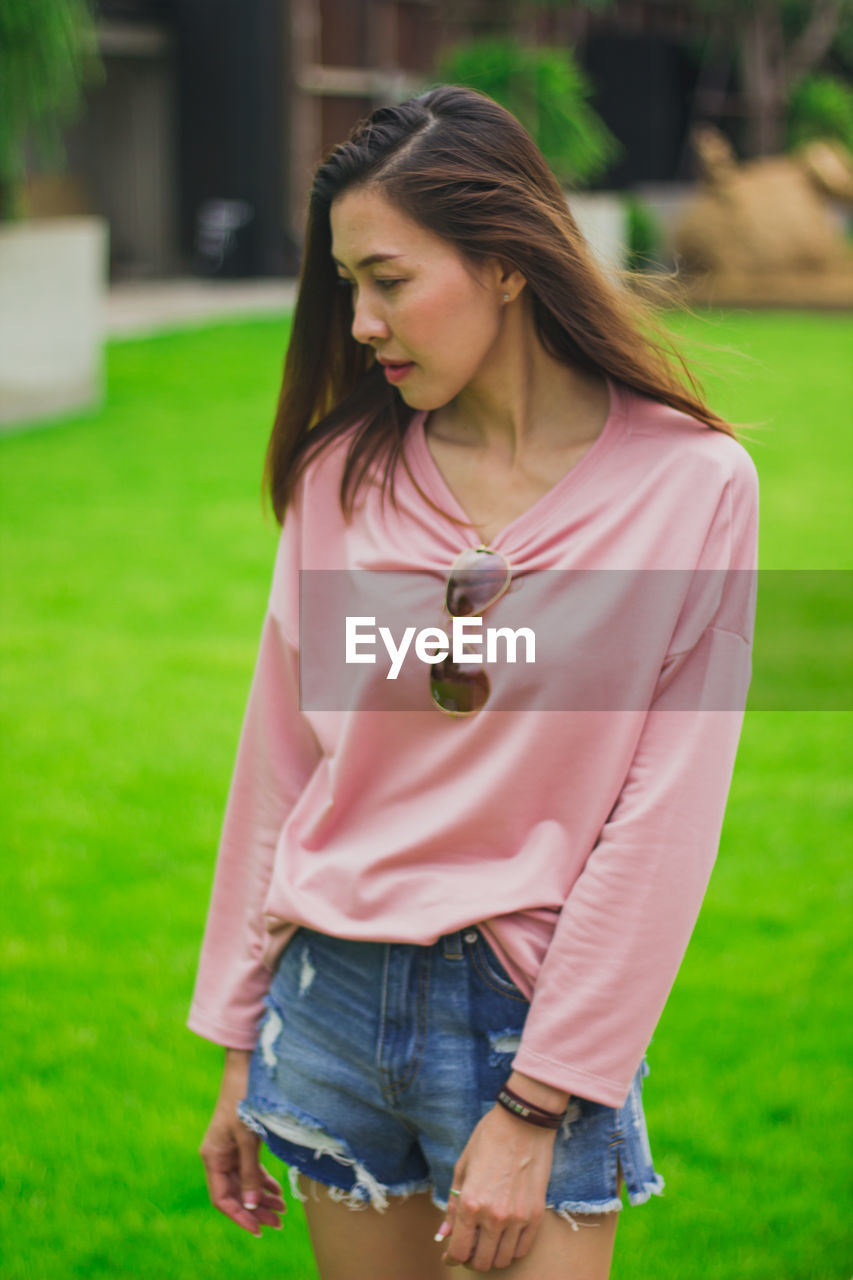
point(239, 1185)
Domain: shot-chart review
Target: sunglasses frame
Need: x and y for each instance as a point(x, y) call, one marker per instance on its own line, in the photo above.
point(476, 613)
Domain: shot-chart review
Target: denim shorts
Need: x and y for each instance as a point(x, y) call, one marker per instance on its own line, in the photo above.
point(375, 1061)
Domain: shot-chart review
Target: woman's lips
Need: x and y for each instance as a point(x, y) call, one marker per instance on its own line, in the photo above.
point(397, 372)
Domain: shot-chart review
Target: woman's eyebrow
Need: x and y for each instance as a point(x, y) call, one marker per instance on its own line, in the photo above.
point(369, 260)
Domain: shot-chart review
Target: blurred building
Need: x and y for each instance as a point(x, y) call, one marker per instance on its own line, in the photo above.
point(200, 143)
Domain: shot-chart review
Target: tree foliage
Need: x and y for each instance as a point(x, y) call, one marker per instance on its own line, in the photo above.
point(48, 50)
point(821, 106)
point(774, 43)
point(547, 91)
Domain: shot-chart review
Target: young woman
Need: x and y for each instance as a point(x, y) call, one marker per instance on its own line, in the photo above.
point(452, 891)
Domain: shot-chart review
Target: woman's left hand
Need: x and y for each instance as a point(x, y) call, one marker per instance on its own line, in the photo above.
point(503, 1177)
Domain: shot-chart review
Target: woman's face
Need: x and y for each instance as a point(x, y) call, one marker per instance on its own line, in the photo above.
point(422, 303)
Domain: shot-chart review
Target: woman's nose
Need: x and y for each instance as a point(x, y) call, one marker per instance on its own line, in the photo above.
point(367, 325)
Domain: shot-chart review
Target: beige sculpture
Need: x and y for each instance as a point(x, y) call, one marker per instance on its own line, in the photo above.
point(763, 231)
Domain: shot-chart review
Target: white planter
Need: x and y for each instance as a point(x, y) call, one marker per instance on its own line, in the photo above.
point(602, 221)
point(53, 278)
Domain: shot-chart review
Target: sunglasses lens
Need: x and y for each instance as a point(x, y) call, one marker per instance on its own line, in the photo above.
point(476, 580)
point(458, 689)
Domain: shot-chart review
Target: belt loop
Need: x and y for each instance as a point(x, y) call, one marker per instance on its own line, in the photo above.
point(451, 945)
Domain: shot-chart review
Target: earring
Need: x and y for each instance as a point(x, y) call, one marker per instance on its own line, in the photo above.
point(506, 297)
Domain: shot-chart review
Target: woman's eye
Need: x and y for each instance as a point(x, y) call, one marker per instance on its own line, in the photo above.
point(382, 284)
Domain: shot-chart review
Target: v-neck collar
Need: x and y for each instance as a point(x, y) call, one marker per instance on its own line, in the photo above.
point(538, 510)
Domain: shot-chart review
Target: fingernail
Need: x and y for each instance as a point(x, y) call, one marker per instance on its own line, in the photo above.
point(443, 1230)
point(250, 1203)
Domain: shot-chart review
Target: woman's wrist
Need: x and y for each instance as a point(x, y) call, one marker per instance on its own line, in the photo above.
point(538, 1093)
point(237, 1061)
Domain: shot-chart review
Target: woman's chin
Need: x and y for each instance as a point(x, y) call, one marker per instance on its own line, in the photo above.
point(421, 400)
point(412, 399)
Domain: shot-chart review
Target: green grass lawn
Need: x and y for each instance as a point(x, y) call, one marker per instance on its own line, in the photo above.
point(135, 568)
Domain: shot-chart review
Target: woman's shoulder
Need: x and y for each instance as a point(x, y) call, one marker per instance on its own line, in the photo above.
point(329, 456)
point(320, 477)
point(681, 445)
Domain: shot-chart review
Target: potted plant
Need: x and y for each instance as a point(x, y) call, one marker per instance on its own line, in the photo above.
point(52, 270)
point(549, 94)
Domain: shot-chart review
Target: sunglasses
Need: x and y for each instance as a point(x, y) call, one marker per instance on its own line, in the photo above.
point(476, 579)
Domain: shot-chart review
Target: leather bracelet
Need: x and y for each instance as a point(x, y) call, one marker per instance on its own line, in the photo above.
point(532, 1115)
point(533, 1106)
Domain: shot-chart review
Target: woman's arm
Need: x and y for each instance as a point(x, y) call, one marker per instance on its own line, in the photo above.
point(238, 1184)
point(626, 923)
point(276, 755)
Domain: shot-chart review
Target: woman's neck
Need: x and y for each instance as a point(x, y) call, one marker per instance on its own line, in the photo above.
point(523, 400)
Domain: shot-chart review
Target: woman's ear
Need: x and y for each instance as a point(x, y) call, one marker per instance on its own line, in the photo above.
point(494, 273)
point(509, 280)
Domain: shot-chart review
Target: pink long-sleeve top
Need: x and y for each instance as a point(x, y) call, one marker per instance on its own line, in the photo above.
point(577, 831)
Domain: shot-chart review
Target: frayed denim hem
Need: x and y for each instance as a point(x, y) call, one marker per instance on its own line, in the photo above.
point(654, 1188)
point(567, 1208)
point(272, 1121)
point(360, 1196)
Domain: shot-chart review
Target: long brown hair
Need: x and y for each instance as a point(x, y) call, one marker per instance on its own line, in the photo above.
point(463, 167)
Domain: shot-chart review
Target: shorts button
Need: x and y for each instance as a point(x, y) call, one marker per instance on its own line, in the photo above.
point(471, 935)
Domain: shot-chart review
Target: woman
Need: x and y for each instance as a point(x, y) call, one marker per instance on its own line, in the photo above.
point(440, 936)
